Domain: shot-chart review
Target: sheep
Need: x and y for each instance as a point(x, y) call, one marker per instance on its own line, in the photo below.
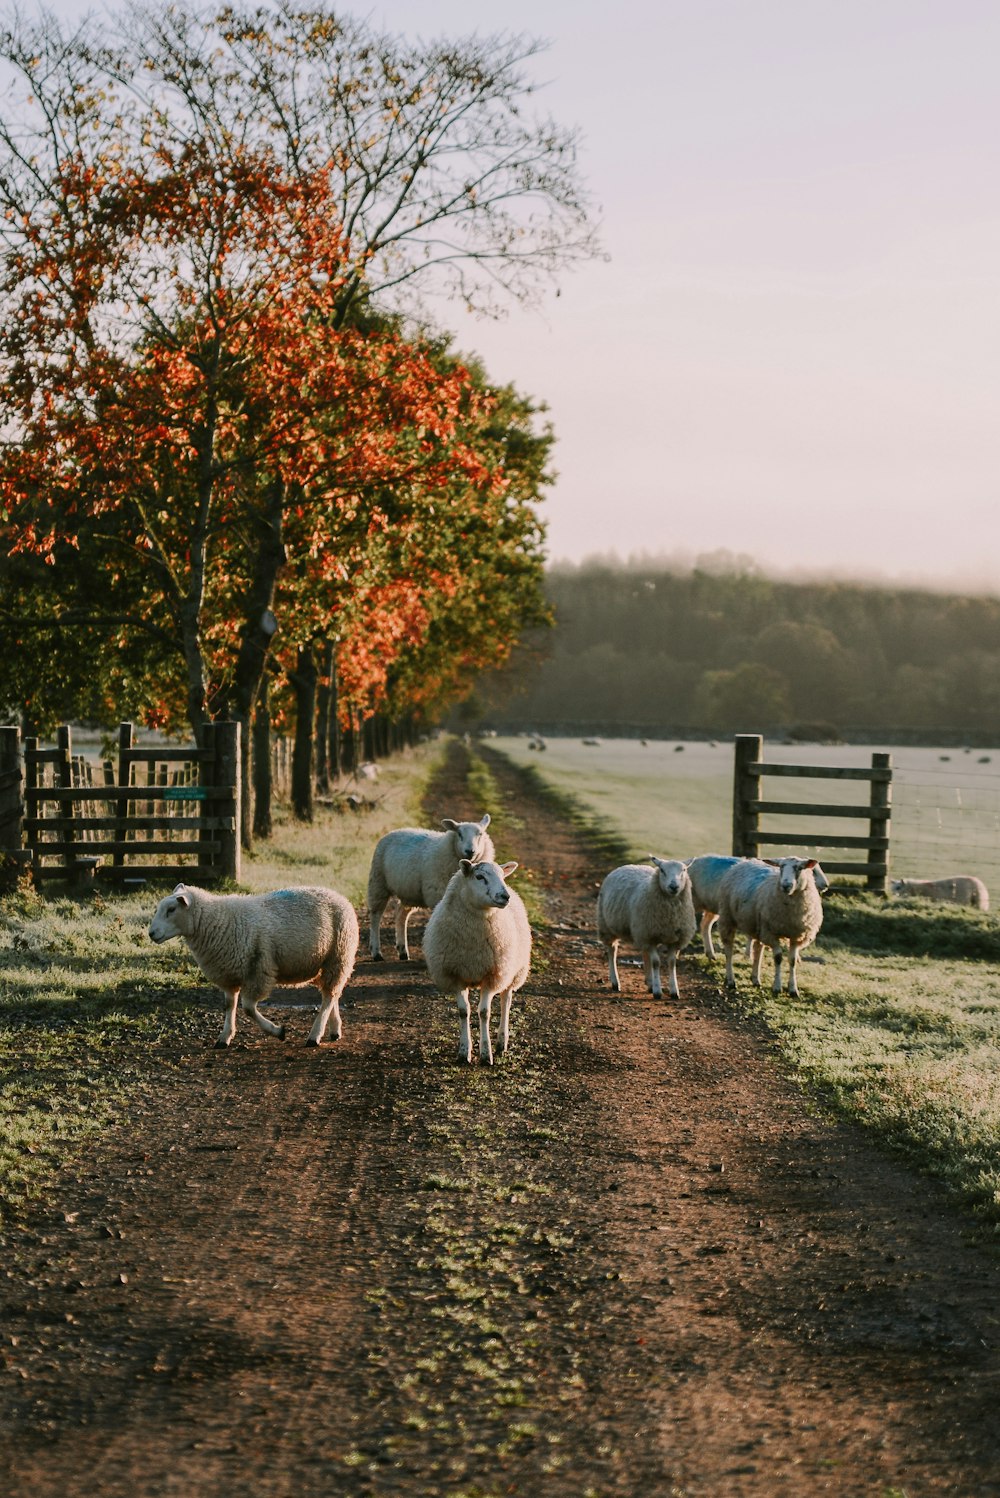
point(768, 900)
point(960, 889)
point(415, 864)
point(650, 908)
point(706, 873)
point(478, 936)
point(246, 944)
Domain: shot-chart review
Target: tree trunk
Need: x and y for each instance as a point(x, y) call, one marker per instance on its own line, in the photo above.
point(304, 681)
point(324, 698)
point(263, 824)
point(335, 746)
point(258, 631)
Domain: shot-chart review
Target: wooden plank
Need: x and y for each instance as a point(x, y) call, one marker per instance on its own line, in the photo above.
point(821, 772)
point(190, 873)
point(136, 824)
point(147, 848)
point(167, 756)
point(861, 870)
point(118, 793)
point(809, 840)
point(803, 808)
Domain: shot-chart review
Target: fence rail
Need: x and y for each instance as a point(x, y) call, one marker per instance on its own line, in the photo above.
point(163, 813)
point(749, 806)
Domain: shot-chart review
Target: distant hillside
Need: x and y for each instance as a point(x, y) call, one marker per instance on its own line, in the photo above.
point(646, 650)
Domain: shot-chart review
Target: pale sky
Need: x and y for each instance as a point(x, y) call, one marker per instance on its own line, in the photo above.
point(794, 349)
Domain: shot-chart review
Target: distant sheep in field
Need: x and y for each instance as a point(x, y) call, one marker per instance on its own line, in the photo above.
point(247, 944)
point(415, 864)
point(960, 889)
point(652, 909)
point(770, 901)
point(478, 937)
point(707, 872)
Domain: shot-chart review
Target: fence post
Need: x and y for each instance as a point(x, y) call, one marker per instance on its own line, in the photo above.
point(67, 809)
point(14, 857)
point(749, 748)
point(881, 810)
point(125, 740)
point(225, 763)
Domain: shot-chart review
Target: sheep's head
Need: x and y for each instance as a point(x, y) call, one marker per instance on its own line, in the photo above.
point(469, 838)
point(794, 873)
point(672, 875)
point(172, 915)
point(485, 883)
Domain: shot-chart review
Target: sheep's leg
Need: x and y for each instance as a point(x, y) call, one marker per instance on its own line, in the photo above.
point(250, 998)
point(485, 1009)
point(776, 949)
point(728, 938)
point(229, 1024)
point(613, 978)
point(756, 953)
point(672, 988)
point(651, 962)
point(375, 914)
point(329, 1007)
point(708, 920)
point(505, 1002)
point(403, 913)
point(793, 962)
point(465, 1032)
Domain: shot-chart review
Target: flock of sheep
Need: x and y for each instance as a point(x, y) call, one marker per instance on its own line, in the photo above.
point(478, 935)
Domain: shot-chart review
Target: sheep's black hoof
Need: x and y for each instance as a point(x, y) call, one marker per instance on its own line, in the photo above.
point(402, 957)
point(312, 1042)
point(222, 1045)
point(281, 1032)
point(377, 957)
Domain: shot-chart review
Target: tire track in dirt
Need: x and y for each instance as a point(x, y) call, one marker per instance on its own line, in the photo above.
point(631, 1260)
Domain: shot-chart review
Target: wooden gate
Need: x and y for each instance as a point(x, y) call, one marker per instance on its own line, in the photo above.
point(161, 813)
point(749, 807)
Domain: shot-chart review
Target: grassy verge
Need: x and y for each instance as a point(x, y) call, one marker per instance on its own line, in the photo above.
point(898, 1023)
point(84, 994)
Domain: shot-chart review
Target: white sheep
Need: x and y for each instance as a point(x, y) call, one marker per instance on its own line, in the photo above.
point(478, 936)
point(652, 909)
point(415, 864)
point(707, 872)
point(960, 889)
point(770, 900)
point(246, 944)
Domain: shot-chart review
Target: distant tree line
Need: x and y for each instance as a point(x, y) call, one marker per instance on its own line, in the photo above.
point(650, 647)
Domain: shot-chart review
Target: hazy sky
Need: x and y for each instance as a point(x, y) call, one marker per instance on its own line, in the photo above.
point(793, 350)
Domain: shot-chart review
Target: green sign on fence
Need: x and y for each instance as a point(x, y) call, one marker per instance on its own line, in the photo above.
point(185, 793)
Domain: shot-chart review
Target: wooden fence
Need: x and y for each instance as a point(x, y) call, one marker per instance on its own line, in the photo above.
point(749, 807)
point(159, 813)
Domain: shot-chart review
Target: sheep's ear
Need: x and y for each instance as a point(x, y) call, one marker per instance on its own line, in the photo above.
point(181, 895)
point(809, 863)
point(507, 869)
point(467, 866)
point(775, 863)
point(449, 824)
point(484, 820)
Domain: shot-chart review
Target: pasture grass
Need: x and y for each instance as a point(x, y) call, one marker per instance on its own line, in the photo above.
point(84, 993)
point(898, 1021)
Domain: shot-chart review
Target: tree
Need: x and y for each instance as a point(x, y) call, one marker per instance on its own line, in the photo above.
point(199, 210)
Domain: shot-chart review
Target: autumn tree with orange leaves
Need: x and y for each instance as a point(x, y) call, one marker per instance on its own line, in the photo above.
point(207, 217)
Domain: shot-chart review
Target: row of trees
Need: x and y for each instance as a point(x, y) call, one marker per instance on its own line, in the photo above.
point(240, 475)
point(731, 650)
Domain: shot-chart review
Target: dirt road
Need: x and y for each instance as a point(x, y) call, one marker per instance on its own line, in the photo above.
point(631, 1259)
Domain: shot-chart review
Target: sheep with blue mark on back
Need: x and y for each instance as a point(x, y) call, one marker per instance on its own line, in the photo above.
point(478, 936)
point(706, 873)
point(651, 908)
point(414, 864)
point(247, 944)
point(770, 901)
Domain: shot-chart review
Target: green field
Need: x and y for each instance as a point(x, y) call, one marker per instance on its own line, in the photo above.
point(674, 798)
point(898, 1023)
